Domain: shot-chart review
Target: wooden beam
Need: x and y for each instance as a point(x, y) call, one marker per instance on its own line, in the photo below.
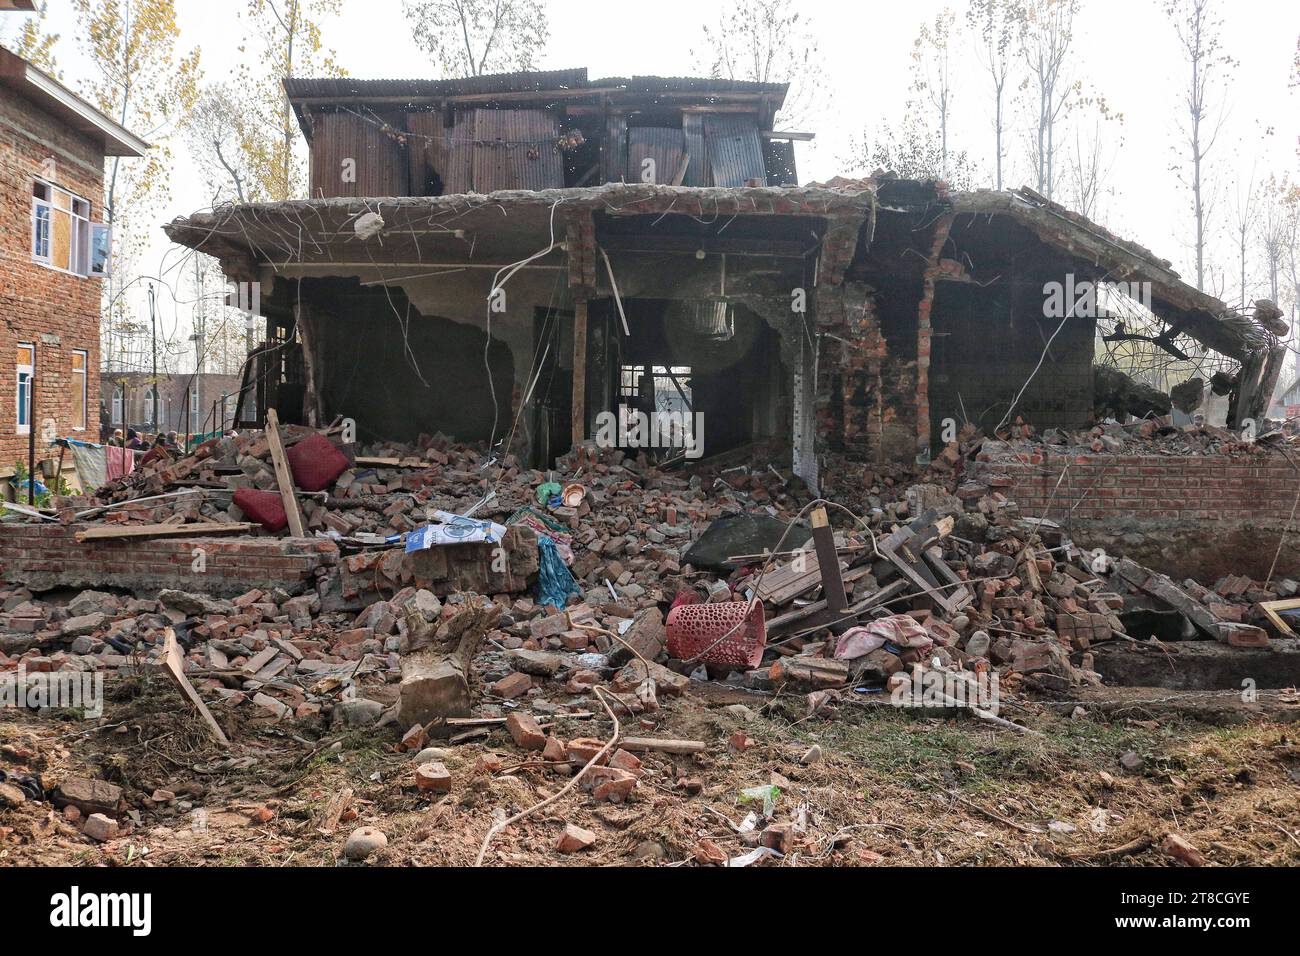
point(174, 664)
point(307, 337)
point(663, 745)
point(283, 476)
point(579, 371)
point(164, 530)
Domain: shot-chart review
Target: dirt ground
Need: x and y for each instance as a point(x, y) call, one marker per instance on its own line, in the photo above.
point(892, 787)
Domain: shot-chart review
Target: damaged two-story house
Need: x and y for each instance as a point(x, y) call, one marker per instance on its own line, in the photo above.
point(526, 258)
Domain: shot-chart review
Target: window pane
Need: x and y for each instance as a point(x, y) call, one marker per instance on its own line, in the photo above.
point(78, 389)
point(25, 354)
point(24, 398)
point(41, 231)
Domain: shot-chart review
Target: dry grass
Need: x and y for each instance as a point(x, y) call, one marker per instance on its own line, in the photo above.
point(892, 788)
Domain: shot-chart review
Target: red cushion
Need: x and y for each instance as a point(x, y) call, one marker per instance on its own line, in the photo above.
point(315, 463)
point(264, 507)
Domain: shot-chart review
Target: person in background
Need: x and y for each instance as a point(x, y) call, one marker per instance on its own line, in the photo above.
point(133, 439)
point(116, 438)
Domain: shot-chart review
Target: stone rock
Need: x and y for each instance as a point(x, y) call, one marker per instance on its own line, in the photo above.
point(431, 754)
point(192, 604)
point(358, 713)
point(649, 850)
point(88, 602)
point(11, 796)
point(812, 755)
point(88, 795)
point(362, 842)
point(977, 645)
point(538, 663)
point(86, 624)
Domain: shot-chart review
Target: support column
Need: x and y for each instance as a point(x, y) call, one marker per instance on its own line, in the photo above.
point(579, 371)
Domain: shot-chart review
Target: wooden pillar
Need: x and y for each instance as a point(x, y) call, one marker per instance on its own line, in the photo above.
point(579, 371)
point(302, 319)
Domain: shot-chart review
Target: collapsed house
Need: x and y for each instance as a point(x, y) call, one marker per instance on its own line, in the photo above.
point(540, 236)
point(528, 258)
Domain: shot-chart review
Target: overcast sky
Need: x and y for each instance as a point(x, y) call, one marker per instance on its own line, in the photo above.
point(1125, 49)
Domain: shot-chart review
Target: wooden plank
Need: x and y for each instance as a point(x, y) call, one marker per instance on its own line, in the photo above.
point(579, 371)
point(175, 666)
point(784, 584)
point(663, 745)
point(816, 614)
point(283, 477)
point(164, 530)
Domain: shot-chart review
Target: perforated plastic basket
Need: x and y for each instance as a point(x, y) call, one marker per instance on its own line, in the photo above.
point(693, 628)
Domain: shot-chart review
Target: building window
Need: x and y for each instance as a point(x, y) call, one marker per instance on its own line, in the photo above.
point(194, 406)
point(26, 362)
point(78, 386)
point(61, 231)
point(117, 406)
point(41, 222)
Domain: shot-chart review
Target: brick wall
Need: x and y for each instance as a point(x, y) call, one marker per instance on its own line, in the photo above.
point(1202, 516)
point(56, 311)
point(46, 556)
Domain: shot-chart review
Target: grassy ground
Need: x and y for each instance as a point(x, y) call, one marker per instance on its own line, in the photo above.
point(892, 788)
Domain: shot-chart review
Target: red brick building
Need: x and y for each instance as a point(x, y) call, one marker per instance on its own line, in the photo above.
point(53, 252)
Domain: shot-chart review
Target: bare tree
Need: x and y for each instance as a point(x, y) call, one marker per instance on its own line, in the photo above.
point(1274, 229)
point(1087, 168)
point(216, 135)
point(1199, 29)
point(1244, 211)
point(998, 24)
point(476, 37)
point(932, 76)
point(765, 41)
point(1045, 46)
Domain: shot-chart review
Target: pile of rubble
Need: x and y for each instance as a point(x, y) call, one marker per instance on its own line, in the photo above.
point(941, 577)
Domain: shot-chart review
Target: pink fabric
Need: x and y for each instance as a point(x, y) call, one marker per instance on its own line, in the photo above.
point(118, 461)
point(899, 629)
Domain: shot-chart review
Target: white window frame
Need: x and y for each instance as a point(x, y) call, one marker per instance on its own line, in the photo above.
point(115, 415)
point(30, 370)
point(80, 230)
point(41, 203)
point(84, 372)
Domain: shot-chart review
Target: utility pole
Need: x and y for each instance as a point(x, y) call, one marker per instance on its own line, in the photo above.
point(196, 401)
point(153, 323)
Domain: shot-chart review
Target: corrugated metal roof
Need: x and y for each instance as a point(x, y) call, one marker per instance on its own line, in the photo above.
point(691, 84)
point(541, 80)
point(341, 87)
